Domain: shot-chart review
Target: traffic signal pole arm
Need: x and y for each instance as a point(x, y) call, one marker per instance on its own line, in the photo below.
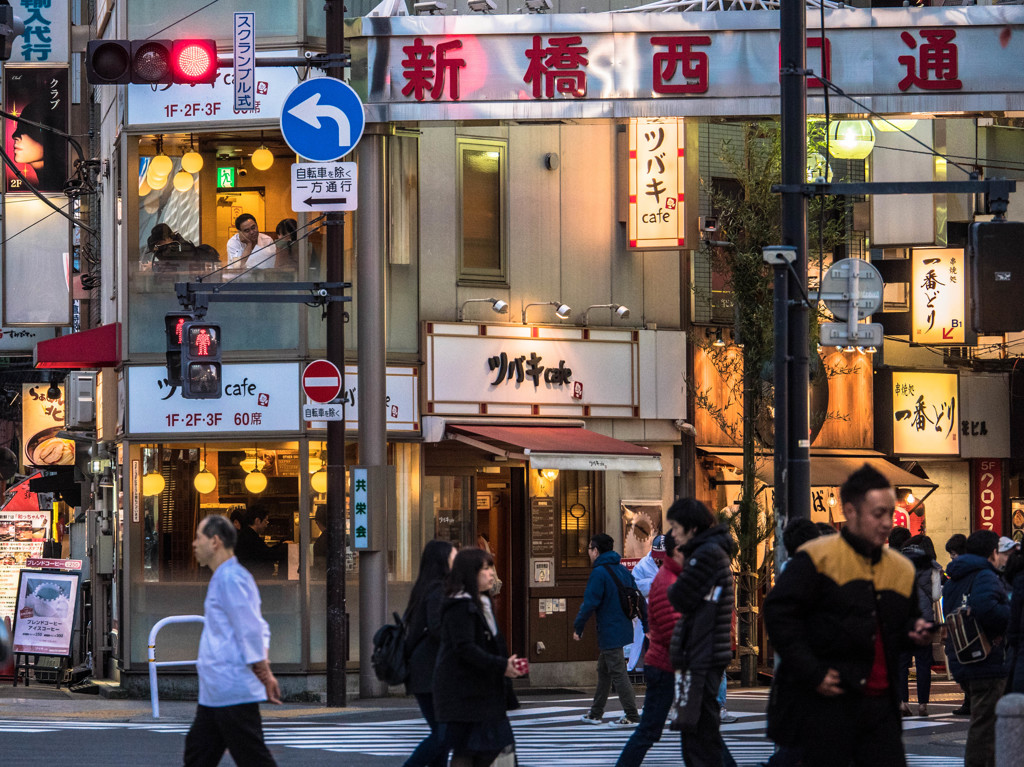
point(195, 297)
point(997, 190)
point(318, 60)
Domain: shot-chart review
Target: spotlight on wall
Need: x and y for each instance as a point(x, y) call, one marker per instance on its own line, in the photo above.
point(499, 306)
point(549, 474)
point(562, 311)
point(620, 311)
point(429, 7)
point(715, 336)
point(538, 6)
point(482, 6)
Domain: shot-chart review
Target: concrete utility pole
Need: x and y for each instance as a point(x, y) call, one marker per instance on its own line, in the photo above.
point(337, 628)
point(793, 465)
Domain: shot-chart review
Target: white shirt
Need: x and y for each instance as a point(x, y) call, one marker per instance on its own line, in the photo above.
point(262, 257)
point(235, 636)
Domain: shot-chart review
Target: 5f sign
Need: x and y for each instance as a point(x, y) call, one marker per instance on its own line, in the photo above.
point(988, 495)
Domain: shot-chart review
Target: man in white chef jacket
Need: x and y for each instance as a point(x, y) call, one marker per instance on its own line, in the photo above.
point(234, 673)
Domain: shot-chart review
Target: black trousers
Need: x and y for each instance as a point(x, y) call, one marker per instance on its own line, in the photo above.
point(235, 728)
point(853, 729)
point(703, 746)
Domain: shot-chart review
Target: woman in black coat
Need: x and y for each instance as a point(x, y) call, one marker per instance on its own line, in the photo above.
point(472, 691)
point(423, 617)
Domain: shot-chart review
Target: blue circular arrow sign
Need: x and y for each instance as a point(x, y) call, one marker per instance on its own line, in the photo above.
point(322, 119)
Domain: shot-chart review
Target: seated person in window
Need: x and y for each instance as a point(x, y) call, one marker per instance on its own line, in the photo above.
point(287, 244)
point(252, 551)
point(171, 252)
point(250, 248)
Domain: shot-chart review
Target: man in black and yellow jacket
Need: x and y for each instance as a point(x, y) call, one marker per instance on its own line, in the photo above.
point(838, 617)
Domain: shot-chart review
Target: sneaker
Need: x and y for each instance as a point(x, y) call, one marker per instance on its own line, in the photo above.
point(964, 710)
point(591, 719)
point(726, 718)
point(625, 721)
point(922, 710)
point(905, 710)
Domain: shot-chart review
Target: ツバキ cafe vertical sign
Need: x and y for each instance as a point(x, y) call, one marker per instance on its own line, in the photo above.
point(656, 180)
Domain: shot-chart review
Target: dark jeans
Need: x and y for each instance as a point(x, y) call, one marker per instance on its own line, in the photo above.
point(236, 728)
point(657, 701)
point(703, 746)
point(866, 730)
point(431, 751)
point(922, 658)
point(611, 670)
point(981, 734)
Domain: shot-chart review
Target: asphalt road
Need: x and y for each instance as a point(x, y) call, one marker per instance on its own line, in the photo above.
point(42, 732)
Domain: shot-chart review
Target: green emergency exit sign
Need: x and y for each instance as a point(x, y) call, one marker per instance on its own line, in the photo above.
point(225, 177)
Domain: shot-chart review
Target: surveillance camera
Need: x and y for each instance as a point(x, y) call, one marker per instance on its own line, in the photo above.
point(778, 255)
point(708, 224)
point(243, 172)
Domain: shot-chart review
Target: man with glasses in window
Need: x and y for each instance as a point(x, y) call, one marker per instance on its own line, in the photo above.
point(614, 630)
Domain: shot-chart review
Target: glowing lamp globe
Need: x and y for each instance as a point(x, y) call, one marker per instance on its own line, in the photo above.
point(144, 187)
point(851, 139)
point(891, 126)
point(255, 482)
point(318, 481)
point(192, 162)
point(153, 484)
point(160, 165)
point(204, 482)
point(183, 181)
point(262, 158)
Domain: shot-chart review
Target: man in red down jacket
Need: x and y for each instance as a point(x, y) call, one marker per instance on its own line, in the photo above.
point(661, 620)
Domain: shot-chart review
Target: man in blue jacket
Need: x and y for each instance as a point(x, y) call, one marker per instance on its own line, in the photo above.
point(614, 631)
point(974, 581)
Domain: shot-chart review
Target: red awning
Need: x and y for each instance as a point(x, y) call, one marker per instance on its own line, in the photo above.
point(558, 447)
point(96, 348)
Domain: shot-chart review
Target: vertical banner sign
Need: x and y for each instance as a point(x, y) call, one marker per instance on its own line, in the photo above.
point(245, 61)
point(47, 26)
point(41, 419)
point(136, 490)
point(656, 180)
point(360, 509)
point(938, 289)
point(925, 413)
point(36, 95)
point(988, 495)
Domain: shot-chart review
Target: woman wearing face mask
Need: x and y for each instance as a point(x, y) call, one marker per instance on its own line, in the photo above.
point(472, 687)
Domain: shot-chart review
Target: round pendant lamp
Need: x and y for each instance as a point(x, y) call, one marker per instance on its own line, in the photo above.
point(851, 139)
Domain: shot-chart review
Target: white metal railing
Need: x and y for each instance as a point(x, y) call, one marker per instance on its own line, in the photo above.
point(154, 695)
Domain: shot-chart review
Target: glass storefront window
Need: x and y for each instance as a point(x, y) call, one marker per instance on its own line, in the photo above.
point(182, 483)
point(153, 18)
point(577, 497)
point(190, 192)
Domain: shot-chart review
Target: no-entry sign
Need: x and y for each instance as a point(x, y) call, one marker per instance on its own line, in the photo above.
point(321, 381)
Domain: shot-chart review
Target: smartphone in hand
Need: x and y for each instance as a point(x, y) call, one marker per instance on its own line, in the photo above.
point(522, 665)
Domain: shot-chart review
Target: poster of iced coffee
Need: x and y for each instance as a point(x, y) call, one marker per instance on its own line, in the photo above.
point(45, 614)
point(22, 535)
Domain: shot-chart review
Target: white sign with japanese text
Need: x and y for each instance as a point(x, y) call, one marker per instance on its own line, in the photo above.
point(24, 340)
point(45, 614)
point(324, 186)
point(984, 415)
point(938, 291)
point(47, 25)
point(926, 413)
point(656, 183)
point(22, 535)
point(401, 400)
point(244, 50)
point(257, 398)
point(198, 105)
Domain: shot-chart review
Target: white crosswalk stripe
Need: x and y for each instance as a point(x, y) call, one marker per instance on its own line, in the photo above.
point(551, 727)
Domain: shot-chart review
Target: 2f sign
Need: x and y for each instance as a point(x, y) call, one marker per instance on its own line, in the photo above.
point(988, 495)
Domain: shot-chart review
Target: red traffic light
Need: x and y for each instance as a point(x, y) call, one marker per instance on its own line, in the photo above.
point(194, 61)
point(151, 62)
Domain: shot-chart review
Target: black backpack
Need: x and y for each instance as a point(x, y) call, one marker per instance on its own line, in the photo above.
point(389, 658)
point(630, 599)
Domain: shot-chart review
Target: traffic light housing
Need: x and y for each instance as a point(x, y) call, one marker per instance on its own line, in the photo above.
point(151, 62)
point(10, 27)
point(997, 276)
point(174, 324)
point(200, 360)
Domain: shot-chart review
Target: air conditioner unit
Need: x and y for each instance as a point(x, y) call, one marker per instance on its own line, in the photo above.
point(80, 399)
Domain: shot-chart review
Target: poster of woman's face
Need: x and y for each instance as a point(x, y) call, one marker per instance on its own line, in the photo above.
point(36, 95)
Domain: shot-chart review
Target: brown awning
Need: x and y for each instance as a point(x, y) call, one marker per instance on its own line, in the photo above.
point(828, 469)
point(96, 348)
point(558, 447)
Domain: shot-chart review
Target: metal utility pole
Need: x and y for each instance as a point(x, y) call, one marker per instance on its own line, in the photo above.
point(337, 628)
point(793, 472)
